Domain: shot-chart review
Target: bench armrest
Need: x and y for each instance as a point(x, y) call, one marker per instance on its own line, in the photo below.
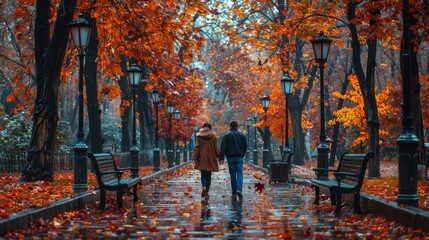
point(317, 171)
point(340, 175)
point(124, 169)
point(118, 174)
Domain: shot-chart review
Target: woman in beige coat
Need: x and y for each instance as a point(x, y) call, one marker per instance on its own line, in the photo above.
point(205, 156)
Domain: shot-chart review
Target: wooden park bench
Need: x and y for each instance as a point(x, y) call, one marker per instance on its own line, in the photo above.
point(109, 178)
point(348, 179)
point(280, 169)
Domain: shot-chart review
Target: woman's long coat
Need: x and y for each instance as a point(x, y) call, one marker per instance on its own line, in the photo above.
point(206, 151)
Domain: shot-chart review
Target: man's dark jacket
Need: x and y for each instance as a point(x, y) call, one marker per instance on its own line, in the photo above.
point(233, 144)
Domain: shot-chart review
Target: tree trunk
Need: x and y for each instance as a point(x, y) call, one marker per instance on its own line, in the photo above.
point(126, 116)
point(366, 83)
point(336, 133)
point(416, 108)
point(95, 138)
point(145, 119)
point(49, 61)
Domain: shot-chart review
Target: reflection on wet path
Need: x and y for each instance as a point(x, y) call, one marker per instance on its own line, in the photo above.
point(172, 207)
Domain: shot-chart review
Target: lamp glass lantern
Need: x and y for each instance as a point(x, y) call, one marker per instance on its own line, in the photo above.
point(80, 31)
point(265, 101)
point(287, 83)
point(177, 114)
point(155, 96)
point(321, 45)
point(185, 120)
point(134, 74)
point(255, 115)
point(170, 108)
point(248, 122)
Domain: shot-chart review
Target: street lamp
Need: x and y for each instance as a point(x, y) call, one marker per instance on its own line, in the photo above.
point(321, 45)
point(248, 124)
point(185, 150)
point(170, 152)
point(408, 143)
point(156, 152)
point(255, 148)
point(287, 87)
point(134, 74)
point(80, 31)
point(265, 102)
point(177, 117)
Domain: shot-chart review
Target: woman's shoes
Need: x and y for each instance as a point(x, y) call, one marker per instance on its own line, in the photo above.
point(205, 194)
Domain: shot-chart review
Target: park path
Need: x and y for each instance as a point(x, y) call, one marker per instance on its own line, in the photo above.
point(171, 207)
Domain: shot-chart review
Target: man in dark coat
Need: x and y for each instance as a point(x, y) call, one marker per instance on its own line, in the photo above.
point(234, 147)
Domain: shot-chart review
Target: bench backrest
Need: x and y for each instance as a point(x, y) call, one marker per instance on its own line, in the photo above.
point(102, 163)
point(286, 157)
point(354, 163)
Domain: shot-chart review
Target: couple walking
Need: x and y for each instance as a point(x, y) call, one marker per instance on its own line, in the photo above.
point(206, 154)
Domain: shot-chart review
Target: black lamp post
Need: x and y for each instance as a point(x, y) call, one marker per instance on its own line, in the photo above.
point(321, 45)
point(80, 30)
point(248, 124)
point(170, 152)
point(255, 147)
point(185, 150)
point(134, 74)
point(287, 87)
point(407, 142)
point(265, 101)
point(177, 117)
point(156, 150)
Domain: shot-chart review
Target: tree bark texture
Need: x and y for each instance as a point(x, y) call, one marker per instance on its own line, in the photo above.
point(144, 108)
point(49, 60)
point(299, 100)
point(94, 119)
point(126, 116)
point(366, 83)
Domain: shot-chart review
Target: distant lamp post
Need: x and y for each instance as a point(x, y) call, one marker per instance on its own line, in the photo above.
point(248, 124)
point(80, 31)
point(287, 87)
point(321, 45)
point(170, 152)
point(185, 150)
point(255, 147)
point(177, 115)
point(134, 74)
point(156, 151)
point(265, 102)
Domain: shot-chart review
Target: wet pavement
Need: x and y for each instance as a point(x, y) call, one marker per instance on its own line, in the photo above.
point(172, 207)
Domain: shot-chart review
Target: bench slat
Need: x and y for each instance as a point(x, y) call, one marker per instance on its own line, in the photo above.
point(353, 164)
point(108, 178)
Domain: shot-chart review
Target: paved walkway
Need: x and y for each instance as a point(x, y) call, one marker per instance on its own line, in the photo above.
point(171, 207)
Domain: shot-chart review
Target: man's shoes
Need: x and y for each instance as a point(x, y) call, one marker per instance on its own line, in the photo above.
point(240, 195)
point(207, 196)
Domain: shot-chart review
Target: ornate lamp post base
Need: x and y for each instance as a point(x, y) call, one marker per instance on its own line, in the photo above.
point(134, 152)
point(407, 165)
point(255, 157)
point(156, 159)
point(177, 160)
point(185, 155)
point(322, 160)
point(80, 169)
point(170, 158)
